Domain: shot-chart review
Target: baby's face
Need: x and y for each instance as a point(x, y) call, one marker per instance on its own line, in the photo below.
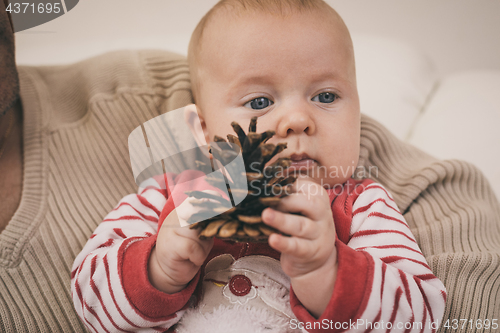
point(297, 75)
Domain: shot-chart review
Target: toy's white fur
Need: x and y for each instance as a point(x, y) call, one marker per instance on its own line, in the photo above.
point(237, 319)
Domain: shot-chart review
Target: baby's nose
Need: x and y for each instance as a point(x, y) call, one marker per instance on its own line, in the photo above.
point(295, 119)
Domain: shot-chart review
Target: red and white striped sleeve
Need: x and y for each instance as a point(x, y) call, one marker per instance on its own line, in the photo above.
point(109, 279)
point(384, 283)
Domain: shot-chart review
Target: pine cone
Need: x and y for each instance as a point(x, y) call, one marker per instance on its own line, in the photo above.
point(266, 186)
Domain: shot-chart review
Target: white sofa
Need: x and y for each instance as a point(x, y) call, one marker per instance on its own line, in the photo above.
point(451, 117)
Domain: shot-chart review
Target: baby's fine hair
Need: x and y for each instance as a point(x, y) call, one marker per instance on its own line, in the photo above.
point(274, 7)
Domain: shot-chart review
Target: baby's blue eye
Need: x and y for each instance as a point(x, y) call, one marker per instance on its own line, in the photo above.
point(325, 97)
point(259, 103)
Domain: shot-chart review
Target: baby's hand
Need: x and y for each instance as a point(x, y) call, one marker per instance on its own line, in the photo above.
point(179, 253)
point(311, 244)
point(308, 255)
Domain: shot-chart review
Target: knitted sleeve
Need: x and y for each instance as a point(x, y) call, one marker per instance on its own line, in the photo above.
point(383, 282)
point(109, 280)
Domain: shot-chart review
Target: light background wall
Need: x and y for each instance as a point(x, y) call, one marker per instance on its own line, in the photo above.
point(456, 34)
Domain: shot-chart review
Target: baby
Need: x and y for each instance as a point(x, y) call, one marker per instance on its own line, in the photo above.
point(350, 261)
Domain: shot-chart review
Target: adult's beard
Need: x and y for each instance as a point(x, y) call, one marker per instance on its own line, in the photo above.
point(9, 80)
point(9, 88)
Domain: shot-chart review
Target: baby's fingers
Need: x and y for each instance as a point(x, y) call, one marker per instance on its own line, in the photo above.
point(192, 249)
point(291, 224)
point(308, 199)
point(292, 246)
point(300, 229)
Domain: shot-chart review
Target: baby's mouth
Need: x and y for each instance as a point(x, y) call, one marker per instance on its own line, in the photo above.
point(301, 163)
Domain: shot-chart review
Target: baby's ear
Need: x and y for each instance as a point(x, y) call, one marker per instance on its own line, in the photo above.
point(196, 124)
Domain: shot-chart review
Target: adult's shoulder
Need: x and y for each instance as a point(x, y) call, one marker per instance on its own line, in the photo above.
point(71, 88)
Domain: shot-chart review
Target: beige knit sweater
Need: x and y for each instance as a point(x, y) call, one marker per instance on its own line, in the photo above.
point(76, 167)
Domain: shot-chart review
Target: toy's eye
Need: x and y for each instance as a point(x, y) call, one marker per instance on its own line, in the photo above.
point(325, 97)
point(259, 103)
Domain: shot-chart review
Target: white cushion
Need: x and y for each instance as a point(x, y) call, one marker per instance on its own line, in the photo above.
point(394, 81)
point(462, 122)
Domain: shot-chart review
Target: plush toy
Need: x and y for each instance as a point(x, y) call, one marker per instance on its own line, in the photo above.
point(249, 295)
